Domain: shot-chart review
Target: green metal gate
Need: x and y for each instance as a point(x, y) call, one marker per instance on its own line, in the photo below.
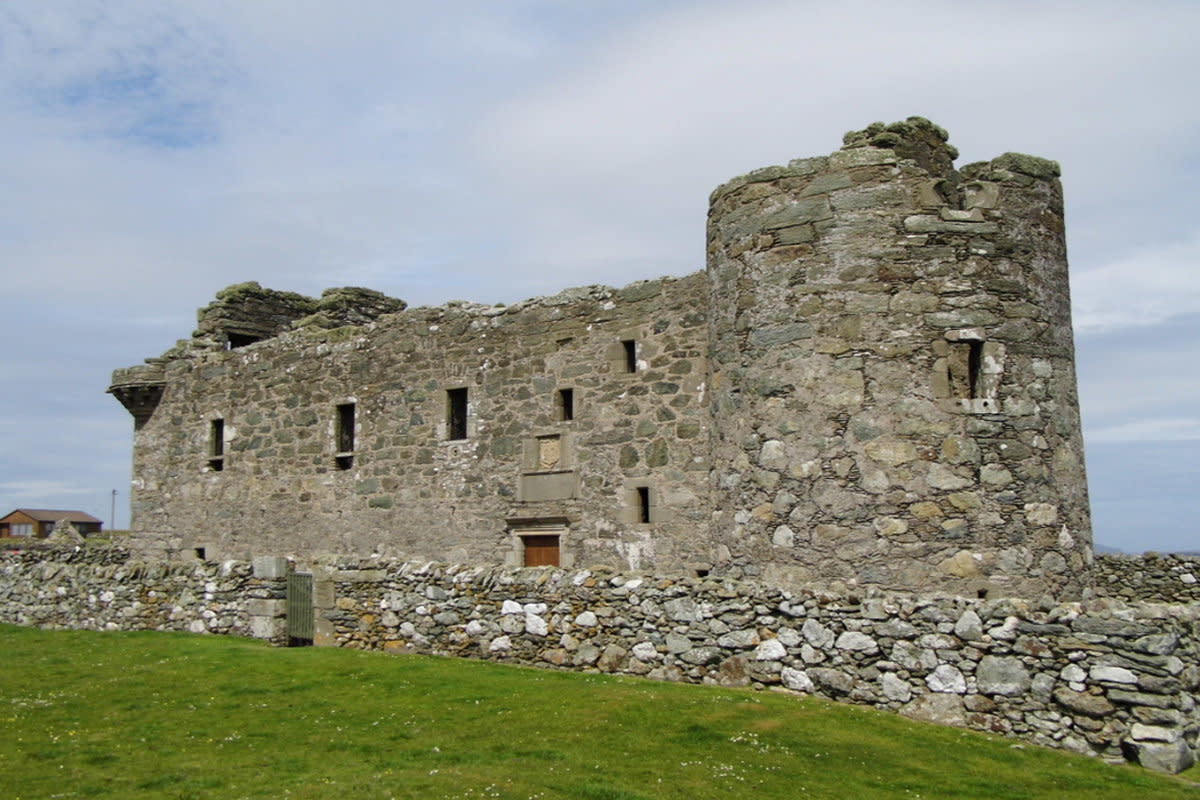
point(299, 609)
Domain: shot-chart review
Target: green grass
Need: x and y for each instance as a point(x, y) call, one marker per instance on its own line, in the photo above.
point(154, 715)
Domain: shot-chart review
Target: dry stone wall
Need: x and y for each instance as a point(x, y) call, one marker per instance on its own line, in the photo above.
point(1153, 577)
point(102, 588)
point(1105, 677)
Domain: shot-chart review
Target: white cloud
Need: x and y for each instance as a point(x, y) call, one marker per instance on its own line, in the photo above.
point(1150, 430)
point(1140, 289)
point(37, 489)
point(634, 135)
point(152, 153)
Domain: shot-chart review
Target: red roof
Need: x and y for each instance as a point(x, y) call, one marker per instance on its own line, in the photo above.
point(53, 515)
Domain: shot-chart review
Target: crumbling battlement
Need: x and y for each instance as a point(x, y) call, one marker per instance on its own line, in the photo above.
point(871, 384)
point(246, 313)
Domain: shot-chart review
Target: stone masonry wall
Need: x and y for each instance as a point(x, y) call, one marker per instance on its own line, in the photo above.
point(101, 588)
point(1106, 677)
point(283, 481)
point(894, 372)
point(1153, 577)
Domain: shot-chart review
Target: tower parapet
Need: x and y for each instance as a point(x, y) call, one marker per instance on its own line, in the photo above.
point(893, 386)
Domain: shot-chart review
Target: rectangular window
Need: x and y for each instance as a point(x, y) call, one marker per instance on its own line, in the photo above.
point(565, 404)
point(456, 413)
point(630, 346)
point(216, 445)
point(344, 434)
point(643, 504)
point(22, 529)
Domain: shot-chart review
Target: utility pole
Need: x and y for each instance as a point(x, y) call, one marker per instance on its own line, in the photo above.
point(112, 512)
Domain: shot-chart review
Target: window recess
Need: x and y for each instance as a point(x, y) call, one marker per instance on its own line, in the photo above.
point(564, 405)
point(344, 436)
point(216, 444)
point(969, 371)
point(642, 507)
point(456, 413)
point(629, 347)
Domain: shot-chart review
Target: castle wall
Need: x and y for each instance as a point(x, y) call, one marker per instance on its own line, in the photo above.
point(872, 384)
point(285, 478)
point(893, 382)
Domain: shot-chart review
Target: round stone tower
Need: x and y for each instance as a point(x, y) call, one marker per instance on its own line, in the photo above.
point(892, 372)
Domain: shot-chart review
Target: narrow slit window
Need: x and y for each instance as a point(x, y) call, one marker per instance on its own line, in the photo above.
point(456, 413)
point(216, 445)
point(566, 404)
point(643, 503)
point(345, 436)
point(975, 368)
point(630, 347)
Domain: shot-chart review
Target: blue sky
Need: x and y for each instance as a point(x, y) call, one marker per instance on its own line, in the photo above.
point(151, 154)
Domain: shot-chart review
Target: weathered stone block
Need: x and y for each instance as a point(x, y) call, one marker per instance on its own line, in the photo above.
point(999, 675)
point(270, 567)
point(1171, 758)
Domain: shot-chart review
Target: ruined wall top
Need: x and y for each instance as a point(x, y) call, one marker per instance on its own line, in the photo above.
point(916, 140)
point(246, 312)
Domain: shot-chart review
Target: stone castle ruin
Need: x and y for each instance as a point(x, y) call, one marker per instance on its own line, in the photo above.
point(844, 460)
point(871, 385)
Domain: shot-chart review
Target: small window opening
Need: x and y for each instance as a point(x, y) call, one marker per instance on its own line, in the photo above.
point(237, 340)
point(630, 346)
point(456, 413)
point(216, 445)
point(643, 502)
point(345, 436)
point(701, 573)
point(975, 368)
point(566, 404)
point(981, 594)
point(200, 553)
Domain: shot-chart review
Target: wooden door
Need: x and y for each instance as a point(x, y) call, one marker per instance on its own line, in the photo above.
point(541, 551)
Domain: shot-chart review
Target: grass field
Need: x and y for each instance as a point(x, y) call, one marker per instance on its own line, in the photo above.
point(153, 715)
